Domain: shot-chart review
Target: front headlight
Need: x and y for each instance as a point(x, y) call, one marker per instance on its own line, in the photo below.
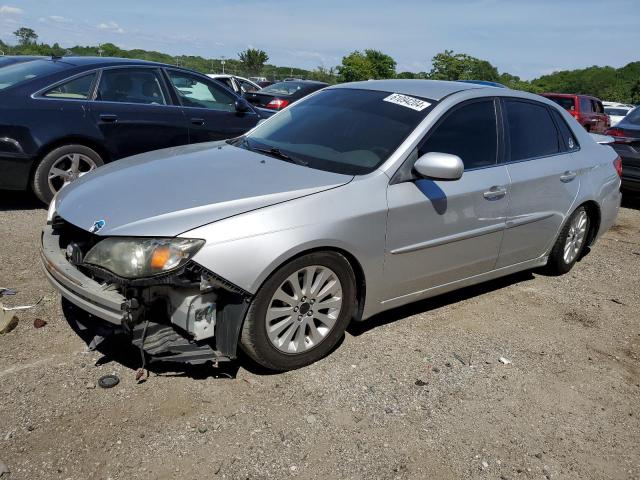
point(142, 257)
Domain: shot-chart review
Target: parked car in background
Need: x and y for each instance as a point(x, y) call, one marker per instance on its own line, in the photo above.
point(616, 112)
point(282, 94)
point(61, 118)
point(258, 79)
point(587, 110)
point(627, 143)
point(265, 83)
point(355, 200)
point(239, 85)
point(486, 83)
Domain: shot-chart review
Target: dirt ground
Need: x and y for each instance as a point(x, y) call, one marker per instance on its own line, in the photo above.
point(417, 392)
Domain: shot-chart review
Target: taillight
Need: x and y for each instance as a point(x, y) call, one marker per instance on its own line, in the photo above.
point(277, 104)
point(617, 164)
point(574, 114)
point(618, 135)
point(615, 132)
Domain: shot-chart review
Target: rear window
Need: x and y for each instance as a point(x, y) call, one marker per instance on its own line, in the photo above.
point(283, 88)
point(619, 112)
point(633, 116)
point(568, 103)
point(21, 72)
point(532, 132)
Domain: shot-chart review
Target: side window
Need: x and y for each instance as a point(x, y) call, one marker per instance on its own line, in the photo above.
point(569, 140)
point(598, 106)
point(532, 132)
point(196, 92)
point(469, 132)
point(246, 86)
point(131, 85)
point(78, 88)
point(585, 105)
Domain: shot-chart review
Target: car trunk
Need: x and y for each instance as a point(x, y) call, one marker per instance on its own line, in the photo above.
point(261, 99)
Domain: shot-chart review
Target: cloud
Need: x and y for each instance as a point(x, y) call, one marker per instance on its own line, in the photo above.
point(7, 10)
point(54, 19)
point(111, 27)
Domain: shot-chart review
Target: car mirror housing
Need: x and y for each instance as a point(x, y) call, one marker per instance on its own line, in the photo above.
point(439, 166)
point(242, 105)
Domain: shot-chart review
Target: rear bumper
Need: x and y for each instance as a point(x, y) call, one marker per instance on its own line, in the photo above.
point(15, 170)
point(82, 291)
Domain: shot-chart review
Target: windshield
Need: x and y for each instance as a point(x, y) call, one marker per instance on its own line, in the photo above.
point(21, 72)
point(341, 130)
point(567, 103)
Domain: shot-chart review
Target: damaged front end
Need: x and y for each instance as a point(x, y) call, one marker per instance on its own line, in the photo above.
point(187, 314)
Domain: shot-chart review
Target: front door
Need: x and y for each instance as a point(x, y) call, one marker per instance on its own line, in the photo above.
point(545, 178)
point(442, 231)
point(134, 114)
point(209, 108)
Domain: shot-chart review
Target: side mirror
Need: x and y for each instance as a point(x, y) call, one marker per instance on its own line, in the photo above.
point(242, 105)
point(439, 166)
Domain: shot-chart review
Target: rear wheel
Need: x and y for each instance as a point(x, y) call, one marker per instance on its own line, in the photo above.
point(62, 166)
point(301, 312)
point(570, 243)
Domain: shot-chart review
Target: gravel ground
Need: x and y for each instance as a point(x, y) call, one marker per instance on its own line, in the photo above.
point(417, 392)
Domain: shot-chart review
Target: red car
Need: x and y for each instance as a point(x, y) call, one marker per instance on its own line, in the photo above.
point(587, 110)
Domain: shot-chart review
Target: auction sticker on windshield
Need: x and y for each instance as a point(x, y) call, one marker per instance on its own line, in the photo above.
point(407, 101)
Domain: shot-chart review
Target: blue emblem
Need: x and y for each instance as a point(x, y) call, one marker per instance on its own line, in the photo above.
point(97, 226)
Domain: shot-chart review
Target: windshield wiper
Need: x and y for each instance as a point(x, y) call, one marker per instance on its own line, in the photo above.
point(275, 152)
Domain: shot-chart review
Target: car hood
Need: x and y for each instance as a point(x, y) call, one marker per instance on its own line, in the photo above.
point(168, 192)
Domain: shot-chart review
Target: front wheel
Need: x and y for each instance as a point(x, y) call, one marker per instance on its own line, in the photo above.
point(62, 166)
point(301, 312)
point(570, 243)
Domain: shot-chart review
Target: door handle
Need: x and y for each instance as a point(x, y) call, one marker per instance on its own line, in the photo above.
point(108, 117)
point(495, 193)
point(568, 176)
point(197, 121)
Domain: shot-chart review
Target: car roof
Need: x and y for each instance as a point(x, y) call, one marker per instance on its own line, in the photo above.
point(432, 89)
point(98, 61)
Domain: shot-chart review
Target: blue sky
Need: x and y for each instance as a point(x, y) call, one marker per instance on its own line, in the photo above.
point(525, 38)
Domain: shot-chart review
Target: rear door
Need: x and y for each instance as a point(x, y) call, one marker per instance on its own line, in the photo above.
point(133, 111)
point(603, 119)
point(210, 109)
point(588, 117)
point(545, 178)
point(442, 231)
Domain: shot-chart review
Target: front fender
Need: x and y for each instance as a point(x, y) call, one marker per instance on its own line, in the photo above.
point(247, 248)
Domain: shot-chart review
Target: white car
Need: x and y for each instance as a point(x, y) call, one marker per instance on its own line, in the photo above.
point(239, 85)
point(616, 111)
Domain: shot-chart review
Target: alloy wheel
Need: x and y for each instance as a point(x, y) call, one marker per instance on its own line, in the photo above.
point(304, 309)
point(575, 237)
point(67, 168)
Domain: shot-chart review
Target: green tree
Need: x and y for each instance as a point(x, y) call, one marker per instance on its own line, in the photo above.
point(253, 60)
point(449, 65)
point(26, 36)
point(383, 65)
point(372, 64)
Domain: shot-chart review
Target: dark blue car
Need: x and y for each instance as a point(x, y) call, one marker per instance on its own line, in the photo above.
point(63, 117)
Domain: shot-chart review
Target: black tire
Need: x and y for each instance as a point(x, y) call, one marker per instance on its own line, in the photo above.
point(40, 177)
point(556, 265)
point(254, 340)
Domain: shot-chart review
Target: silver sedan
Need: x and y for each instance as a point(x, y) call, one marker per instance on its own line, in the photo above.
point(358, 199)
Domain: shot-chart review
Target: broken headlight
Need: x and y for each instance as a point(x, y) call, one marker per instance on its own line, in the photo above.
point(142, 257)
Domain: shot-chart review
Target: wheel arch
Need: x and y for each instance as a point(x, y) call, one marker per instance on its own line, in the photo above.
point(595, 217)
